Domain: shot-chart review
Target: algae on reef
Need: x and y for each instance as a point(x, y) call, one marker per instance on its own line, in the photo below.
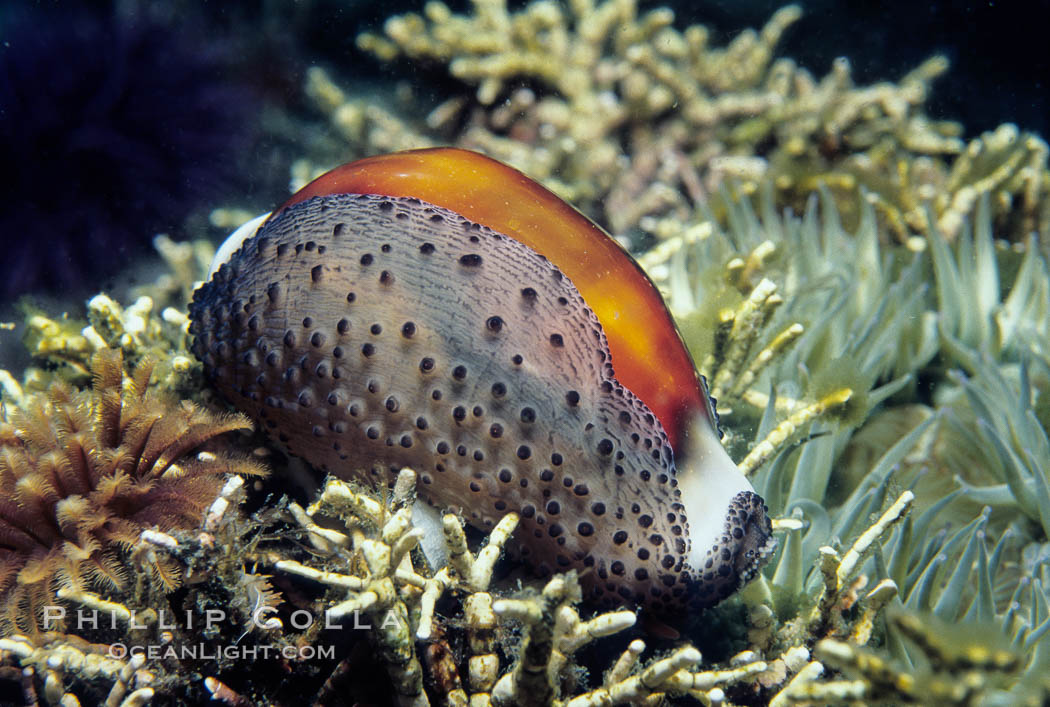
point(867, 293)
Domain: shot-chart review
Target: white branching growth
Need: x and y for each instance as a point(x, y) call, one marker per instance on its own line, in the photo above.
point(380, 537)
point(838, 572)
point(398, 598)
point(745, 339)
point(475, 573)
point(94, 602)
point(68, 657)
point(780, 435)
point(227, 496)
point(221, 692)
point(726, 365)
point(381, 582)
point(369, 566)
point(554, 632)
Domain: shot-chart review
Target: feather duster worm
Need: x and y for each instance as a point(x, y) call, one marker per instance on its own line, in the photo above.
point(439, 310)
point(82, 474)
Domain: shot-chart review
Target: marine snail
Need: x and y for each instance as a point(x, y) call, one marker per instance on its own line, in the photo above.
point(439, 310)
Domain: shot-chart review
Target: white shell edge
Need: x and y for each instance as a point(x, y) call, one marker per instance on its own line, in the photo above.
point(709, 483)
point(234, 241)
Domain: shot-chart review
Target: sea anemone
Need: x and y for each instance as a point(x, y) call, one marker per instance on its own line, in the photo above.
point(84, 473)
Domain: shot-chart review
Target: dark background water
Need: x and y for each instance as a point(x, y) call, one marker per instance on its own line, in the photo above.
point(115, 126)
point(999, 51)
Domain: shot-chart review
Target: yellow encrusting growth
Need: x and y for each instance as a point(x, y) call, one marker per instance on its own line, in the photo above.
point(637, 121)
point(63, 658)
point(838, 572)
point(775, 440)
point(371, 568)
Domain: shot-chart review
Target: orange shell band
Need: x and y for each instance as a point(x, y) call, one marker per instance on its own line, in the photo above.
point(647, 351)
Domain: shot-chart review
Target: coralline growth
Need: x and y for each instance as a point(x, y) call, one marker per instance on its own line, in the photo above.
point(373, 571)
point(630, 119)
point(153, 325)
point(890, 403)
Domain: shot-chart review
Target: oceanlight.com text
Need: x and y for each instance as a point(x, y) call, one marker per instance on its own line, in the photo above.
point(201, 651)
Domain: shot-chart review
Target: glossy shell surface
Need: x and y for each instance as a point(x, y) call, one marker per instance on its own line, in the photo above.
point(439, 310)
point(370, 333)
point(649, 355)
